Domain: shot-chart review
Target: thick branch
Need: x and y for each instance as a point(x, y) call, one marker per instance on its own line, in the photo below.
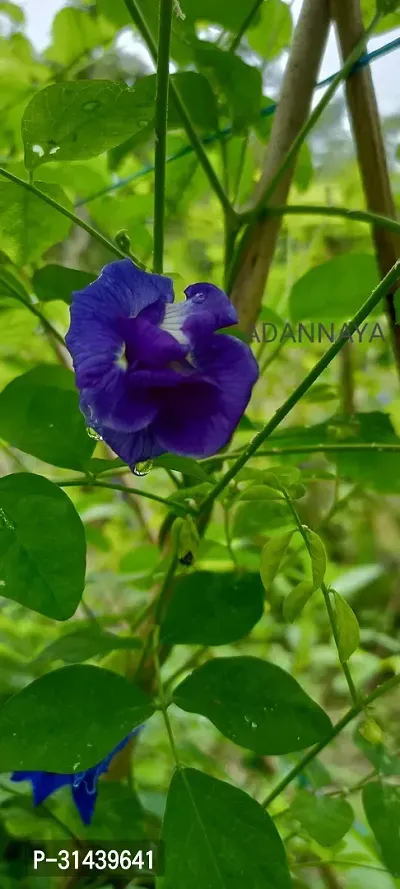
point(371, 154)
point(293, 110)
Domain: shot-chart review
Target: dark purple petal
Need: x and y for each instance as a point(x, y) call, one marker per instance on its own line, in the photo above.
point(199, 420)
point(132, 447)
point(85, 801)
point(150, 345)
point(43, 783)
point(210, 307)
point(84, 787)
point(94, 338)
point(119, 404)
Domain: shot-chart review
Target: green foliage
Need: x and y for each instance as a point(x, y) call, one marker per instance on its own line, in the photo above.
point(344, 281)
point(325, 818)
point(348, 628)
point(220, 827)
point(28, 227)
point(382, 808)
point(58, 282)
point(292, 565)
point(42, 546)
point(255, 704)
point(39, 414)
point(72, 121)
point(82, 645)
point(59, 723)
point(212, 609)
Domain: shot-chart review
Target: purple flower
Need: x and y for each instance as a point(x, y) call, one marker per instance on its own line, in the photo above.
point(154, 375)
point(83, 784)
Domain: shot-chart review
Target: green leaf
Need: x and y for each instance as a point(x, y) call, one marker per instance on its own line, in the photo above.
point(81, 645)
point(226, 835)
point(227, 13)
point(296, 600)
point(58, 282)
point(69, 719)
point(335, 289)
point(240, 83)
point(212, 609)
point(42, 546)
point(75, 33)
point(272, 555)
point(185, 465)
point(317, 556)
point(80, 119)
point(198, 96)
point(348, 628)
point(255, 704)
point(13, 11)
point(325, 818)
point(39, 414)
point(274, 31)
point(28, 226)
point(382, 807)
point(260, 492)
point(389, 21)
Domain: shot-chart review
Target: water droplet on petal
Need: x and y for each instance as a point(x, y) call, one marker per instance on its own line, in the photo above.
point(6, 521)
point(143, 468)
point(93, 434)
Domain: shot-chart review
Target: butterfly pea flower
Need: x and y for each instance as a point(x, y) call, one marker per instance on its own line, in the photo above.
point(153, 374)
point(83, 784)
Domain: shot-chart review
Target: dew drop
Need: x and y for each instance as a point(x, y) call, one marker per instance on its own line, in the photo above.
point(2, 583)
point(93, 434)
point(254, 725)
point(54, 149)
point(37, 149)
point(143, 468)
point(6, 521)
point(76, 766)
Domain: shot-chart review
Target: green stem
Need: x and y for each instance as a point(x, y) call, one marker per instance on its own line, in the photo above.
point(157, 607)
point(325, 593)
point(113, 486)
point(161, 115)
point(144, 30)
point(316, 113)
point(35, 311)
point(348, 447)
point(317, 210)
point(162, 701)
point(68, 213)
point(245, 24)
point(321, 365)
point(351, 714)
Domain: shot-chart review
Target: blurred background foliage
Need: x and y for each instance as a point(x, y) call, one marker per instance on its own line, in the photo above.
point(352, 498)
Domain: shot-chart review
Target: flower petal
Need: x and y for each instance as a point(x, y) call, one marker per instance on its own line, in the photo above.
point(150, 345)
point(43, 783)
point(95, 338)
point(84, 787)
point(133, 447)
point(85, 802)
point(210, 309)
point(199, 418)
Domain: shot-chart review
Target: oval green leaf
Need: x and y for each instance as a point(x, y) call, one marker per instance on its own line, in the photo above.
point(212, 609)
point(68, 720)
point(272, 555)
point(255, 704)
point(325, 818)
point(225, 835)
point(81, 119)
point(39, 414)
point(42, 546)
point(382, 807)
point(347, 626)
